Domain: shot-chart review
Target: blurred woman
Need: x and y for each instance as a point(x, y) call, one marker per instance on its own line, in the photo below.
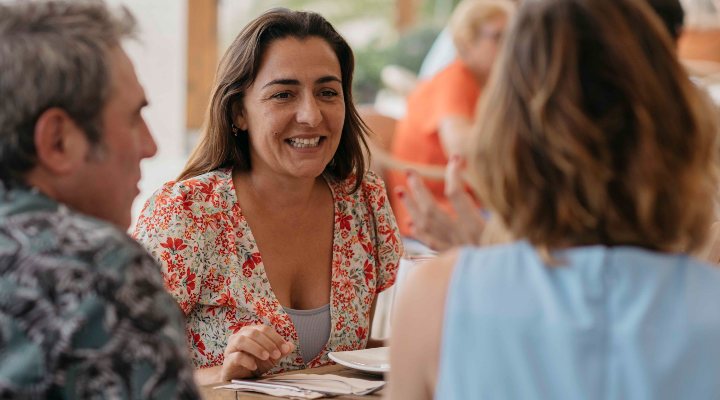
point(600, 156)
point(441, 229)
point(441, 110)
point(274, 240)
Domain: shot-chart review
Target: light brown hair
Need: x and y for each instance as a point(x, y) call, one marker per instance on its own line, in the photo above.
point(238, 69)
point(590, 131)
point(469, 16)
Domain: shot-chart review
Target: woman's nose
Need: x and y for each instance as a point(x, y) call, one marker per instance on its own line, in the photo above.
point(309, 112)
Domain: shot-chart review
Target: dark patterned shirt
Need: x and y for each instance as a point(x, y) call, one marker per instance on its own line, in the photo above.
point(83, 312)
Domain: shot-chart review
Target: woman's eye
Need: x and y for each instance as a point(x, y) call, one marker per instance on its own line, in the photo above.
point(281, 95)
point(328, 93)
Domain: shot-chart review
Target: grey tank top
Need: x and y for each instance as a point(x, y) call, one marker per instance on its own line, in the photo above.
point(313, 329)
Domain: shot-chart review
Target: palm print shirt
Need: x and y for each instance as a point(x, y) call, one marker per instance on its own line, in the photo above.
point(213, 268)
point(83, 312)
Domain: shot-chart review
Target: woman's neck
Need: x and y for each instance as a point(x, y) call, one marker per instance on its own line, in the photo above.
point(278, 192)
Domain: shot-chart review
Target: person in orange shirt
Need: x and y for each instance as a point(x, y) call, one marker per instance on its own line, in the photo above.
point(441, 230)
point(441, 110)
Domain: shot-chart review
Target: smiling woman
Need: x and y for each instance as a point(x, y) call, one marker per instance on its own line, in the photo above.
point(274, 240)
point(294, 111)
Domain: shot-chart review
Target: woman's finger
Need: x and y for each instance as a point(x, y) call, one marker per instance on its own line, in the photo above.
point(242, 343)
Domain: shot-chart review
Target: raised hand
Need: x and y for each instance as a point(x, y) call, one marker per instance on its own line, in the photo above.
point(434, 226)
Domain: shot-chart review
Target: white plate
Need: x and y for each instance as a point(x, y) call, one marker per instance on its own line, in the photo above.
point(375, 360)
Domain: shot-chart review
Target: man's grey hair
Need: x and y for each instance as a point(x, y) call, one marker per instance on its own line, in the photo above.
point(53, 54)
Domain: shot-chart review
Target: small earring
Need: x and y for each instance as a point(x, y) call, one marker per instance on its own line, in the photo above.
point(235, 130)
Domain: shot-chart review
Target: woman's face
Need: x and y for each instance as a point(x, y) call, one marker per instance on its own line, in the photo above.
point(294, 110)
point(480, 55)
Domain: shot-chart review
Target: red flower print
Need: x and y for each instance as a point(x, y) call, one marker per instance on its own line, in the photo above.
point(235, 326)
point(391, 237)
point(190, 281)
point(174, 244)
point(346, 285)
point(171, 282)
point(226, 299)
point(250, 263)
point(361, 333)
point(380, 203)
point(263, 308)
point(277, 320)
point(369, 272)
point(367, 247)
point(248, 296)
point(186, 204)
point(207, 191)
point(344, 221)
point(198, 343)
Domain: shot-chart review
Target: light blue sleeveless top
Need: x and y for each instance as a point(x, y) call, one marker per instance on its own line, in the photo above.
point(612, 323)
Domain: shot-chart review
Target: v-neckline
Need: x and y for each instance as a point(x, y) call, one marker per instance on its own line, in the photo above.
point(260, 267)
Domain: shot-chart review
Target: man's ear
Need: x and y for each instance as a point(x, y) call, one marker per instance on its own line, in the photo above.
point(60, 145)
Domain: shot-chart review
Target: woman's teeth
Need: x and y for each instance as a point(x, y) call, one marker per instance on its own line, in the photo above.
point(302, 143)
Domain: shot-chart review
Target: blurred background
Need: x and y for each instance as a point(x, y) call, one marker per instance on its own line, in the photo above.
point(181, 42)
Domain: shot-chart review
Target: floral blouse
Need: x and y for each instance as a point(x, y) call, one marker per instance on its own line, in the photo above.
point(196, 230)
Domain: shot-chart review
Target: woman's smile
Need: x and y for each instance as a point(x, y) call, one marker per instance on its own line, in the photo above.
point(305, 143)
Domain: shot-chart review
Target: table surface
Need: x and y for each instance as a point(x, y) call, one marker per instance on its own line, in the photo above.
point(209, 393)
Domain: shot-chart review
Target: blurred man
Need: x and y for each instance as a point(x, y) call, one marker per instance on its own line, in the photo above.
point(83, 312)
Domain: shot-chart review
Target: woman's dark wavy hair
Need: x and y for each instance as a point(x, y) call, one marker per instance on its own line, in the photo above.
point(238, 69)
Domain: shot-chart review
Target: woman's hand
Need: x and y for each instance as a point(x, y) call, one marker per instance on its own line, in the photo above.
point(252, 351)
point(431, 224)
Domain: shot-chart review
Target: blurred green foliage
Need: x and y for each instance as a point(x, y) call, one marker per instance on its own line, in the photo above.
point(407, 51)
point(381, 44)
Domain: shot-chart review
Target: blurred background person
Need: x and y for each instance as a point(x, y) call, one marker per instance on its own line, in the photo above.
point(440, 230)
point(602, 160)
point(274, 240)
point(440, 110)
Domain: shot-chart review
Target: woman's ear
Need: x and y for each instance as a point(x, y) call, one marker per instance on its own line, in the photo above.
point(60, 145)
point(239, 117)
point(241, 122)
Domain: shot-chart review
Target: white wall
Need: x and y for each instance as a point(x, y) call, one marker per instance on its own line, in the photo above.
point(159, 58)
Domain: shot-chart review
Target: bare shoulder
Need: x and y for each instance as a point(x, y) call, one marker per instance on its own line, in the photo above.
point(430, 279)
point(417, 328)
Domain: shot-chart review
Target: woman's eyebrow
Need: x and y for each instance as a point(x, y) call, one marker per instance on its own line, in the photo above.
point(329, 78)
point(289, 81)
point(282, 81)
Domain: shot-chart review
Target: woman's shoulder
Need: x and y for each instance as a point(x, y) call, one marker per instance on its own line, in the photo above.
point(371, 184)
point(197, 188)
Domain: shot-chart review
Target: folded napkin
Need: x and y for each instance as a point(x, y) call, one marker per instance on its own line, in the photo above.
point(307, 386)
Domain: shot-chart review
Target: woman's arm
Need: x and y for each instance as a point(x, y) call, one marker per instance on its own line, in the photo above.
point(454, 131)
point(417, 330)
